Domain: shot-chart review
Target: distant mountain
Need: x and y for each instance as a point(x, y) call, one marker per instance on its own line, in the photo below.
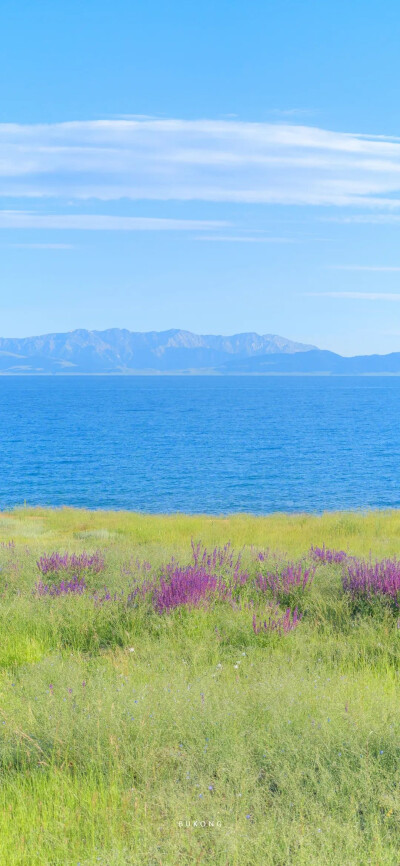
point(120, 351)
point(315, 361)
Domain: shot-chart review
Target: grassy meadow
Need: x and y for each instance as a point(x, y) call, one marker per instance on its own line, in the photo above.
point(135, 735)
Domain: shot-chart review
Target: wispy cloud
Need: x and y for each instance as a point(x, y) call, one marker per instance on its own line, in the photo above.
point(210, 160)
point(98, 222)
point(374, 268)
point(292, 112)
point(360, 296)
point(39, 246)
point(371, 218)
point(245, 239)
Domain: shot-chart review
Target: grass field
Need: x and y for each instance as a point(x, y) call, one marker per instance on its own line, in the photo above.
point(135, 735)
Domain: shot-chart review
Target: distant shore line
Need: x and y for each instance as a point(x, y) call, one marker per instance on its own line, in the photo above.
point(194, 374)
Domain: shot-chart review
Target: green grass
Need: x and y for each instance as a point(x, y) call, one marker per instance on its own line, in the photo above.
point(118, 727)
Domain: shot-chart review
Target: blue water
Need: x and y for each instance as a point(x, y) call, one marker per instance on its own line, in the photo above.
point(200, 444)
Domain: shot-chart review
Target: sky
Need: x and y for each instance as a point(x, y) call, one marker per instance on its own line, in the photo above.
point(218, 167)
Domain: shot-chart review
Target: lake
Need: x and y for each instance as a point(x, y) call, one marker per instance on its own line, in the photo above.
point(200, 444)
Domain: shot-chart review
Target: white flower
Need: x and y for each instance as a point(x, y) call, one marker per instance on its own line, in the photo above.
point(131, 649)
point(219, 666)
point(236, 667)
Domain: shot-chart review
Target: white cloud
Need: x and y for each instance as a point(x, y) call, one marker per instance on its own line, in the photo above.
point(211, 160)
point(372, 219)
point(39, 246)
point(361, 296)
point(98, 222)
point(292, 112)
point(374, 268)
point(245, 239)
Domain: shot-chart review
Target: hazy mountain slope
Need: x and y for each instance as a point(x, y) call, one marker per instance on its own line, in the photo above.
point(315, 361)
point(118, 350)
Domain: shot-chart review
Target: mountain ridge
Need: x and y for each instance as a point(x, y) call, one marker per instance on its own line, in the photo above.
point(118, 351)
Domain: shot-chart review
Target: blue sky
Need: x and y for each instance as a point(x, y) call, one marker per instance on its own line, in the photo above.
point(219, 167)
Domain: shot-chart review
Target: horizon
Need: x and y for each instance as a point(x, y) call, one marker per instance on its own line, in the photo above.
point(261, 183)
point(254, 333)
point(199, 525)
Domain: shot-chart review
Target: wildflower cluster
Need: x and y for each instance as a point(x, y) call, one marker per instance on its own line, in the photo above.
point(285, 581)
point(73, 563)
point(135, 567)
point(219, 557)
point(364, 578)
point(213, 576)
point(326, 555)
point(282, 624)
point(190, 585)
point(76, 585)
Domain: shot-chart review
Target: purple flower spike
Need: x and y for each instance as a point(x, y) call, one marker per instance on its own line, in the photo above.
point(219, 557)
point(364, 578)
point(188, 585)
point(325, 555)
point(282, 624)
point(285, 581)
point(75, 586)
point(73, 563)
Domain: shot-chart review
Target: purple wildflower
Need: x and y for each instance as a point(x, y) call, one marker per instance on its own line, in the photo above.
point(99, 600)
point(72, 563)
point(219, 557)
point(285, 581)
point(284, 623)
point(76, 586)
point(367, 578)
point(135, 567)
point(188, 585)
point(327, 555)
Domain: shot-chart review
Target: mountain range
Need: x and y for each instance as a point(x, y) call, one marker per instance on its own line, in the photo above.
point(119, 351)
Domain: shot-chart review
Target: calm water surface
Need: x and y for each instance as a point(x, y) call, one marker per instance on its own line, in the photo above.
point(200, 444)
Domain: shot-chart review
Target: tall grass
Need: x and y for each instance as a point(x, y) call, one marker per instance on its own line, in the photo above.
point(143, 718)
